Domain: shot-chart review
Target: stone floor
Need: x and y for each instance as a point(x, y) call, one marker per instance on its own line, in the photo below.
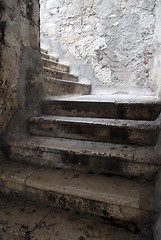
point(26, 221)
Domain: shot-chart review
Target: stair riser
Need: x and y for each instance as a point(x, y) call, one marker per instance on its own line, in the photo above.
point(84, 163)
point(65, 201)
point(59, 88)
point(46, 56)
point(93, 132)
point(102, 110)
point(60, 75)
point(55, 65)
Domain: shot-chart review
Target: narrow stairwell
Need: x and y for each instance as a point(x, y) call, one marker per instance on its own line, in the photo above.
point(59, 81)
point(89, 154)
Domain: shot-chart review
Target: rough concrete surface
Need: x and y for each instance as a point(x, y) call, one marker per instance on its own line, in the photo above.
point(111, 197)
point(102, 107)
point(55, 65)
point(85, 156)
point(119, 131)
point(60, 75)
point(29, 221)
point(59, 82)
point(58, 87)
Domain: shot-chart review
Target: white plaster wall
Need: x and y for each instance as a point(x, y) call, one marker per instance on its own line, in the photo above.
point(155, 71)
point(109, 43)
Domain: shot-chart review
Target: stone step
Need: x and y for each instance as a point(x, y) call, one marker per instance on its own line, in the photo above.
point(54, 65)
point(87, 157)
point(56, 87)
point(53, 73)
point(28, 220)
point(44, 50)
point(49, 57)
point(95, 129)
point(76, 107)
point(110, 197)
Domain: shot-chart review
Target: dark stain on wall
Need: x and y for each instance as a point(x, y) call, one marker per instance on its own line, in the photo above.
point(2, 8)
point(29, 10)
point(2, 32)
point(2, 24)
point(2, 41)
point(0, 58)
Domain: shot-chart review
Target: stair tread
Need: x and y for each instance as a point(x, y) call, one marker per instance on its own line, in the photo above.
point(113, 98)
point(97, 121)
point(67, 81)
point(52, 61)
point(113, 190)
point(54, 65)
point(127, 152)
point(55, 70)
point(103, 107)
point(43, 50)
point(105, 100)
point(47, 56)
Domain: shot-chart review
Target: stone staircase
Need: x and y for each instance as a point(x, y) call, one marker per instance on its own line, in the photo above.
point(59, 81)
point(90, 154)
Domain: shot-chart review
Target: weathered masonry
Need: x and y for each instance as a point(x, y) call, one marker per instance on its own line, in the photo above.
point(112, 44)
point(80, 165)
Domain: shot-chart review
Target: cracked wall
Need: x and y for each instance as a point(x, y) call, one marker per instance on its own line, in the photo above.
point(108, 42)
point(21, 76)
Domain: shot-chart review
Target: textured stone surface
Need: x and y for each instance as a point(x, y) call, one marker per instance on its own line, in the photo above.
point(88, 157)
point(118, 131)
point(122, 57)
point(54, 65)
point(109, 42)
point(95, 106)
point(60, 75)
point(14, 175)
point(27, 220)
point(111, 197)
point(10, 45)
point(20, 69)
point(58, 87)
point(155, 69)
point(46, 56)
point(59, 82)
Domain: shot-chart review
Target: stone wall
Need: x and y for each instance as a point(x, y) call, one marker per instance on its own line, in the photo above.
point(111, 43)
point(21, 76)
point(155, 71)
